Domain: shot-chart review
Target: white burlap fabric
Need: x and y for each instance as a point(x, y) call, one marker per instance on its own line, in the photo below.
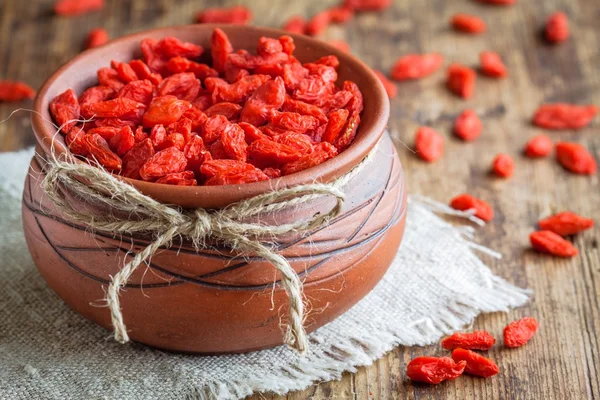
point(436, 285)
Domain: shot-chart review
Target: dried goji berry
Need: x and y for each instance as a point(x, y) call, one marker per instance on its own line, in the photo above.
point(99, 150)
point(296, 24)
point(116, 108)
point(197, 117)
point(184, 86)
point(518, 333)
point(69, 8)
point(96, 37)
point(434, 370)
point(321, 153)
point(298, 141)
point(114, 123)
point(267, 46)
point(468, 23)
point(225, 15)
point(389, 86)
point(110, 77)
point(249, 61)
point(15, 91)
point(575, 158)
point(303, 108)
point(429, 144)
point(95, 94)
point(231, 172)
point(234, 142)
point(165, 110)
point(461, 80)
point(566, 223)
point(355, 105)
point(335, 125)
point(318, 23)
point(269, 96)
point(239, 91)
point(347, 136)
point(106, 132)
point(477, 364)
point(492, 65)
point(272, 173)
point(466, 202)
point(478, 340)
point(220, 49)
point(144, 72)
point(123, 141)
point(538, 146)
point(195, 153)
point(64, 108)
point(557, 28)
point(292, 74)
point(185, 178)
point(213, 128)
point(76, 142)
point(467, 125)
point(503, 165)
point(230, 111)
point(126, 73)
point(140, 135)
point(163, 163)
point(415, 66)
point(266, 152)
point(141, 91)
point(287, 44)
point(340, 99)
point(340, 14)
point(564, 116)
point(252, 133)
point(367, 5)
point(550, 242)
point(136, 158)
point(293, 121)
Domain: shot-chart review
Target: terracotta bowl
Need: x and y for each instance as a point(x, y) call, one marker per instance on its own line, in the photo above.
point(213, 301)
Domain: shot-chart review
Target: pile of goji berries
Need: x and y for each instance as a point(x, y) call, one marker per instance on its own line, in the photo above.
point(235, 118)
point(434, 370)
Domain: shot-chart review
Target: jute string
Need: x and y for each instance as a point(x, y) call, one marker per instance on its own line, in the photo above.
point(228, 226)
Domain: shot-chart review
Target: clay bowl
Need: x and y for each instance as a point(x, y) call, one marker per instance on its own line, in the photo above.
point(213, 301)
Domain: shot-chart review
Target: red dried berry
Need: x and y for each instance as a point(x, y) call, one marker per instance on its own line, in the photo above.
point(296, 24)
point(225, 15)
point(99, 150)
point(266, 152)
point(477, 364)
point(492, 65)
point(110, 77)
point(557, 28)
point(429, 144)
point(165, 110)
point(291, 105)
point(538, 146)
point(64, 108)
point(550, 242)
point(389, 86)
point(416, 66)
point(575, 158)
point(335, 125)
point(466, 202)
point(95, 94)
point(468, 23)
point(230, 111)
point(269, 96)
point(503, 165)
point(340, 14)
point(347, 136)
point(478, 340)
point(116, 108)
point(184, 86)
point(185, 178)
point(234, 142)
point(518, 333)
point(367, 5)
point(75, 140)
point(566, 223)
point(267, 46)
point(467, 125)
point(318, 23)
point(564, 116)
point(434, 370)
point(96, 37)
point(15, 91)
point(125, 72)
point(230, 172)
point(106, 132)
point(69, 8)
point(123, 141)
point(144, 72)
point(461, 80)
point(140, 91)
point(291, 121)
point(321, 153)
point(163, 163)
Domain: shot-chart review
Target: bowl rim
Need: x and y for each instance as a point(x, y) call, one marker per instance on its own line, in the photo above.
point(220, 196)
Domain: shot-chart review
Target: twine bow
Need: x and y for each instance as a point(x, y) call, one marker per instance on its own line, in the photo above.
point(227, 225)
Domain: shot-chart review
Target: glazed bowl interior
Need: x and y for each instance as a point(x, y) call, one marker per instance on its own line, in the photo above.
point(80, 73)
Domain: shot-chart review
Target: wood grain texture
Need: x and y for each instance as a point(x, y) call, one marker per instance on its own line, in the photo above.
point(563, 361)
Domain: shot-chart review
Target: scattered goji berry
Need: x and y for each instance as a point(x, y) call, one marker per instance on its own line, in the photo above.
point(566, 223)
point(557, 28)
point(468, 23)
point(492, 65)
point(478, 340)
point(503, 165)
point(296, 24)
point(434, 370)
point(15, 91)
point(461, 80)
point(468, 126)
point(518, 333)
point(429, 144)
point(340, 14)
point(318, 23)
point(416, 66)
point(538, 146)
point(226, 15)
point(367, 5)
point(550, 242)
point(575, 158)
point(69, 8)
point(465, 202)
point(477, 364)
point(389, 86)
point(65, 110)
point(96, 37)
point(564, 116)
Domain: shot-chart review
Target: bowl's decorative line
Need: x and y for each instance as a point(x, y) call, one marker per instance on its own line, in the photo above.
point(199, 280)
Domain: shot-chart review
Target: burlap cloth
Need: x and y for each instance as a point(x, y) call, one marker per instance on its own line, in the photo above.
point(436, 285)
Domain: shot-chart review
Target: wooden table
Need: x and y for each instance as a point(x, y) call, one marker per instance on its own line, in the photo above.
point(563, 361)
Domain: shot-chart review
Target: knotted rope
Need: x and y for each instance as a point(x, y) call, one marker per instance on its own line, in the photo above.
point(227, 225)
